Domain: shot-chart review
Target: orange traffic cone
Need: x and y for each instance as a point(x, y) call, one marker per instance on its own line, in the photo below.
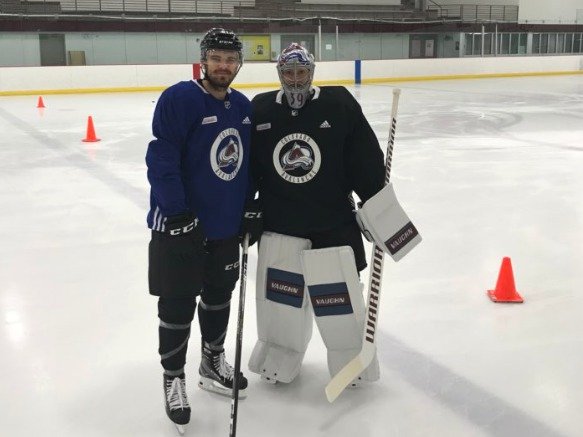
point(90, 137)
point(505, 289)
point(41, 103)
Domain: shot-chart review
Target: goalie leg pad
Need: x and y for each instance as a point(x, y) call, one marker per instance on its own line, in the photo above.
point(384, 222)
point(336, 296)
point(284, 316)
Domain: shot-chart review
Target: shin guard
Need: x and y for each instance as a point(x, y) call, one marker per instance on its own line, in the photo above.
point(174, 331)
point(336, 296)
point(284, 317)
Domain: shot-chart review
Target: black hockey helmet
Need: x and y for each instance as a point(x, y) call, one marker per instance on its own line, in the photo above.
point(220, 39)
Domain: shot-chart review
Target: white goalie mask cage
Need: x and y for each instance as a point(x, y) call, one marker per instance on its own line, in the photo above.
point(295, 67)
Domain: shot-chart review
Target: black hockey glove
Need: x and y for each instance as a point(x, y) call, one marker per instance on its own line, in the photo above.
point(180, 224)
point(176, 257)
point(252, 222)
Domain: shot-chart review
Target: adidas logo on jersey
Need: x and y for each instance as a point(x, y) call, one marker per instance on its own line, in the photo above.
point(246, 120)
point(325, 124)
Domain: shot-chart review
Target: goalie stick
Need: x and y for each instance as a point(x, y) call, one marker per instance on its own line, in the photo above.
point(360, 362)
point(235, 393)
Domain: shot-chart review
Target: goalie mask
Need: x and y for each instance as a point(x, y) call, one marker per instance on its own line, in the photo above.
point(295, 67)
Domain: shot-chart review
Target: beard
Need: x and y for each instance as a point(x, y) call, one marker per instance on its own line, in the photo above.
point(220, 81)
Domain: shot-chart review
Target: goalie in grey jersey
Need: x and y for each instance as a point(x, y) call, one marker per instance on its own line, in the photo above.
point(311, 148)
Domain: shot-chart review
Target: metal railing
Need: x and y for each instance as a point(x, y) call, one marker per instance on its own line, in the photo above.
point(248, 9)
point(466, 12)
point(238, 9)
point(203, 7)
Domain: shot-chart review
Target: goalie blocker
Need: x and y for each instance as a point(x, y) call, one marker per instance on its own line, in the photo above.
point(384, 222)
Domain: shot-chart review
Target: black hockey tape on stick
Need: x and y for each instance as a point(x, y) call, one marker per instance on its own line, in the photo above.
point(360, 362)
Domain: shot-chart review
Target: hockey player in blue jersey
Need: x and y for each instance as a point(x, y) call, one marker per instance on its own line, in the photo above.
point(198, 172)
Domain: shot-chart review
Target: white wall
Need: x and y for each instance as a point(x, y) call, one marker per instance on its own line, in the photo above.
point(33, 80)
point(549, 11)
point(410, 68)
point(20, 49)
point(91, 77)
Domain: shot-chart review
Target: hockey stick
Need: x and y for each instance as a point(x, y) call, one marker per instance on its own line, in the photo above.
point(359, 363)
point(235, 393)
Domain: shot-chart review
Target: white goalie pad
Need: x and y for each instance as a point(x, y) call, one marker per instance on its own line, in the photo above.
point(284, 316)
point(384, 222)
point(336, 297)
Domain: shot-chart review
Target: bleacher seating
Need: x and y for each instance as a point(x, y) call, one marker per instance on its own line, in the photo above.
point(29, 7)
point(235, 8)
point(297, 9)
point(266, 9)
point(172, 7)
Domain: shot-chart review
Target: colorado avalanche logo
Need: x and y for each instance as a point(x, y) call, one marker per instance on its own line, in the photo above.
point(296, 158)
point(227, 154)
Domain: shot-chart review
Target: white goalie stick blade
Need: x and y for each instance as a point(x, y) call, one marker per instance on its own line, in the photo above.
point(351, 371)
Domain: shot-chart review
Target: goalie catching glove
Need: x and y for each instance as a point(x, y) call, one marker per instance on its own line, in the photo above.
point(383, 221)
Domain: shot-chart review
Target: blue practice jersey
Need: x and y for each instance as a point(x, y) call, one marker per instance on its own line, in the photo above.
point(199, 161)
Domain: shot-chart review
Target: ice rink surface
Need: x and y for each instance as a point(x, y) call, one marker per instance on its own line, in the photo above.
point(486, 168)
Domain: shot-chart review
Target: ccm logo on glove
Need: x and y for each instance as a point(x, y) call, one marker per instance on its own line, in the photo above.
point(233, 266)
point(184, 229)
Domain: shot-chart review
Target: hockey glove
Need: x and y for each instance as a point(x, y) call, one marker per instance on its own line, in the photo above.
point(252, 222)
point(176, 257)
point(180, 224)
point(185, 239)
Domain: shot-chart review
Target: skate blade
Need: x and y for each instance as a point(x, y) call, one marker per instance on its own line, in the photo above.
point(181, 428)
point(211, 385)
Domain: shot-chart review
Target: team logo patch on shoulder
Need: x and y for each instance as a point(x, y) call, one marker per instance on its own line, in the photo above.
point(263, 126)
point(227, 154)
point(209, 120)
point(297, 158)
point(246, 120)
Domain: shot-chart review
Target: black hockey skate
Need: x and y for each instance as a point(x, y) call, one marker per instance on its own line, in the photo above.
point(177, 407)
point(216, 374)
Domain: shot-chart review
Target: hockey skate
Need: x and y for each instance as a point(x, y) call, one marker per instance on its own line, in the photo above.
point(177, 407)
point(216, 374)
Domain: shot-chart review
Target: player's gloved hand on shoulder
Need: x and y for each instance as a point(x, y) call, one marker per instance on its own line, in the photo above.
point(252, 222)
